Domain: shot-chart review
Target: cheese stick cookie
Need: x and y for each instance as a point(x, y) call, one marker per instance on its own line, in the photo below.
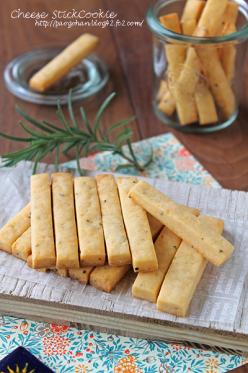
point(60, 272)
point(215, 248)
point(63, 62)
point(82, 274)
point(14, 228)
point(205, 103)
point(106, 278)
point(42, 237)
point(21, 248)
point(117, 245)
point(211, 18)
point(144, 258)
point(29, 261)
point(184, 275)
point(191, 14)
point(203, 97)
point(228, 52)
point(175, 54)
point(217, 79)
point(89, 222)
point(155, 225)
point(147, 285)
point(64, 221)
point(171, 22)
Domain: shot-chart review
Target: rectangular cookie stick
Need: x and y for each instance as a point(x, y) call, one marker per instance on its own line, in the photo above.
point(21, 248)
point(30, 261)
point(217, 79)
point(175, 55)
point(82, 274)
point(117, 245)
point(144, 257)
point(42, 237)
point(65, 228)
point(191, 14)
point(155, 225)
point(147, 285)
point(205, 104)
point(203, 97)
point(89, 222)
point(184, 275)
point(59, 66)
point(215, 248)
point(14, 228)
point(106, 278)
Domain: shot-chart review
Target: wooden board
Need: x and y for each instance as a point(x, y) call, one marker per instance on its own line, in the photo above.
point(219, 306)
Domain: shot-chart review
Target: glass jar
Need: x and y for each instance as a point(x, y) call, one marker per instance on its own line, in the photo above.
point(197, 79)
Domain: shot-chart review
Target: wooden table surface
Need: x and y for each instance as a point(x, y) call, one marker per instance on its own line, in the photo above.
point(128, 53)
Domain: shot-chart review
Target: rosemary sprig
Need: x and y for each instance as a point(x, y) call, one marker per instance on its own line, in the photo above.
point(44, 137)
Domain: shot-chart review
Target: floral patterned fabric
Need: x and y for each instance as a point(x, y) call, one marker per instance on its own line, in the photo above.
point(66, 349)
point(171, 161)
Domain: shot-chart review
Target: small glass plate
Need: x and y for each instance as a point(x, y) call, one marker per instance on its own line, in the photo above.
point(85, 79)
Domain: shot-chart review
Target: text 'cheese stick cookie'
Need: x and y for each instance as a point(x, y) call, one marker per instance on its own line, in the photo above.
point(63, 62)
point(42, 237)
point(65, 228)
point(89, 222)
point(144, 258)
point(184, 275)
point(14, 228)
point(106, 278)
point(215, 248)
point(117, 245)
point(21, 248)
point(147, 285)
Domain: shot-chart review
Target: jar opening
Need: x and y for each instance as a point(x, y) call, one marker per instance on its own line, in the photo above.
point(157, 28)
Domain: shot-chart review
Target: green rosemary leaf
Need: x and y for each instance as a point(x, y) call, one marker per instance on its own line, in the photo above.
point(122, 123)
point(124, 136)
point(61, 117)
point(101, 111)
point(80, 171)
point(148, 162)
point(32, 121)
point(15, 138)
point(31, 132)
point(85, 140)
point(57, 154)
point(131, 150)
point(51, 125)
point(85, 120)
point(68, 146)
point(124, 166)
point(70, 109)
